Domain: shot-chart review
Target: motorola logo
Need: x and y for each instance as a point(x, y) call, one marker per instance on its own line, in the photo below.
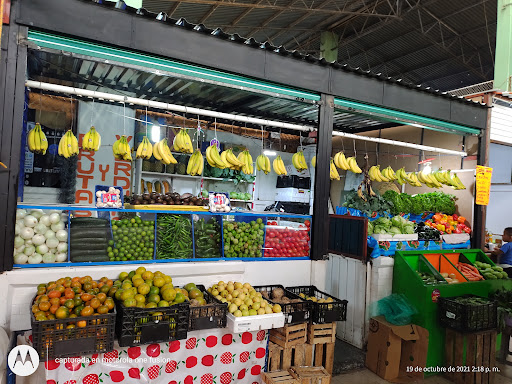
point(23, 360)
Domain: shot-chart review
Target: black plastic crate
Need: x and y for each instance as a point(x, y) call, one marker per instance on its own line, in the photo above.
point(52, 338)
point(212, 315)
point(294, 313)
point(322, 313)
point(467, 317)
point(136, 326)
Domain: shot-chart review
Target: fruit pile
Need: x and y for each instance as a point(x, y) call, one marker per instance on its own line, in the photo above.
point(315, 299)
point(243, 299)
point(490, 272)
point(145, 289)
point(449, 224)
point(68, 298)
point(133, 240)
point(194, 295)
point(287, 242)
point(243, 239)
point(169, 198)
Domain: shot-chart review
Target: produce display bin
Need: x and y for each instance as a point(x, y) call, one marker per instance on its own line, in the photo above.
point(294, 313)
point(322, 312)
point(287, 237)
point(53, 339)
point(252, 245)
point(137, 326)
point(174, 236)
point(467, 316)
point(211, 315)
point(424, 297)
point(207, 236)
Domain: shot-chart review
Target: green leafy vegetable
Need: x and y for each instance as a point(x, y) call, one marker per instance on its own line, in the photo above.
point(374, 204)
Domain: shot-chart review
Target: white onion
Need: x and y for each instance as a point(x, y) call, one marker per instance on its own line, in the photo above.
point(54, 218)
point(42, 249)
point(27, 233)
point(62, 247)
point(20, 214)
point(40, 228)
point(61, 257)
point(29, 221)
point(45, 219)
point(56, 226)
point(53, 250)
point(19, 249)
point(17, 229)
point(20, 258)
point(29, 250)
point(35, 259)
point(49, 258)
point(37, 213)
point(52, 242)
point(64, 217)
point(49, 234)
point(61, 235)
point(38, 240)
point(18, 242)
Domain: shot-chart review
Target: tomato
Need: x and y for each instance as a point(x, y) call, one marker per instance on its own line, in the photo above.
point(307, 223)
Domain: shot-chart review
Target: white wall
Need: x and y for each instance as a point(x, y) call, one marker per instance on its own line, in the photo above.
point(18, 287)
point(501, 117)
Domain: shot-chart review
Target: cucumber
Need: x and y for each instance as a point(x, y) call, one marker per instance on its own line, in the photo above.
point(89, 222)
point(89, 240)
point(75, 246)
point(81, 259)
point(102, 233)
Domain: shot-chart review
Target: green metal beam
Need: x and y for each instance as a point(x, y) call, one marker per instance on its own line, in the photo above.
point(404, 117)
point(48, 40)
point(503, 57)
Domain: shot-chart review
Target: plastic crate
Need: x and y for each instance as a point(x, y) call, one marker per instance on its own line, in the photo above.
point(466, 317)
point(293, 312)
point(322, 312)
point(212, 315)
point(52, 339)
point(136, 326)
point(105, 188)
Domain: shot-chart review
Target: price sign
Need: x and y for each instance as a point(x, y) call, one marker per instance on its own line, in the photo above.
point(215, 142)
point(109, 198)
point(483, 185)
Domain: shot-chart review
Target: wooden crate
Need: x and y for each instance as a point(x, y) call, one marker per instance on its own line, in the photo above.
point(278, 377)
point(323, 356)
point(311, 375)
point(289, 335)
point(480, 362)
point(280, 358)
point(321, 333)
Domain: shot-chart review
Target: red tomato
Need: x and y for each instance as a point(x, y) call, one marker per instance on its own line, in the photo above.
point(307, 223)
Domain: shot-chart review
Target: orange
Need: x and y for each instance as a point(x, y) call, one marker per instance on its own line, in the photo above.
point(62, 300)
point(87, 311)
point(87, 286)
point(109, 303)
point(94, 284)
point(81, 323)
point(102, 309)
point(62, 313)
point(70, 326)
point(41, 291)
point(69, 304)
point(78, 310)
point(78, 301)
point(55, 300)
point(53, 294)
point(77, 290)
point(50, 316)
point(112, 291)
point(35, 308)
point(95, 303)
point(60, 288)
point(44, 306)
point(101, 297)
point(104, 289)
point(54, 308)
point(109, 283)
point(51, 286)
point(86, 296)
point(60, 281)
point(75, 279)
point(44, 298)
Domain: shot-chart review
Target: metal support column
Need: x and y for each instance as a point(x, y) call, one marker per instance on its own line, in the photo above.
point(320, 232)
point(503, 58)
point(13, 67)
point(480, 211)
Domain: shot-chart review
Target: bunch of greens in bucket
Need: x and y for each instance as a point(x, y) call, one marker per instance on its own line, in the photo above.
point(503, 298)
point(397, 225)
point(420, 203)
point(372, 204)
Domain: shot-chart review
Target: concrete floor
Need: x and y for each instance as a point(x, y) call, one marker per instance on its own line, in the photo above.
point(364, 376)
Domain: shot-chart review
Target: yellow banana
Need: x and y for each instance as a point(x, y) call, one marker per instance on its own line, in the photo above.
point(313, 161)
point(333, 172)
point(353, 165)
point(343, 162)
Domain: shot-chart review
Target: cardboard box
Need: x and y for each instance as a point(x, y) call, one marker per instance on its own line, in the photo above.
point(395, 351)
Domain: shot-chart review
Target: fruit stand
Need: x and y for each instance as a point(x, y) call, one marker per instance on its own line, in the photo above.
point(419, 276)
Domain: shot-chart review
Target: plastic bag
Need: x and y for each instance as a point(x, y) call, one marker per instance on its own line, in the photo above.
point(396, 309)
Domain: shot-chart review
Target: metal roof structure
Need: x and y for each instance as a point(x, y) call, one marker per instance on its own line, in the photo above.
point(440, 44)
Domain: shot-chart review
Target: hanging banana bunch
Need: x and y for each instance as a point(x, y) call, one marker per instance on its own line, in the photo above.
point(121, 149)
point(353, 167)
point(195, 164)
point(162, 152)
point(182, 142)
point(68, 145)
point(36, 140)
point(341, 162)
point(229, 158)
point(145, 149)
point(279, 167)
point(446, 178)
point(299, 162)
point(263, 163)
point(333, 171)
point(91, 140)
point(213, 157)
point(246, 159)
point(313, 161)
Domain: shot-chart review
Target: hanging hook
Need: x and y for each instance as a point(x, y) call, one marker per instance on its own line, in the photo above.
point(146, 120)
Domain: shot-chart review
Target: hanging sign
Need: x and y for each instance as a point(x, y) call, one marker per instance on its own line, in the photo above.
point(215, 142)
point(483, 185)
